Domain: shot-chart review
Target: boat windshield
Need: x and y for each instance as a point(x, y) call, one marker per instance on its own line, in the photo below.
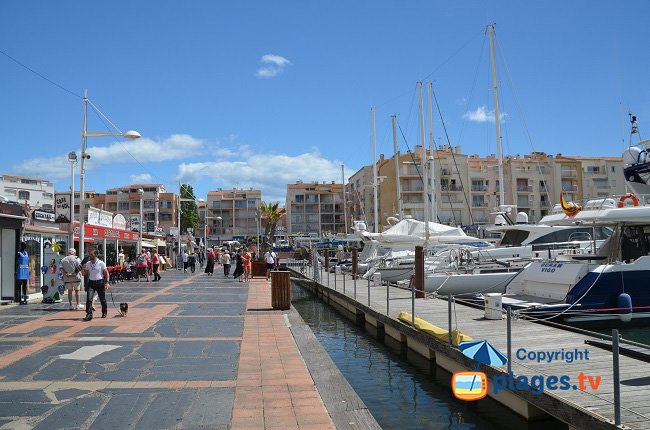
point(514, 237)
point(574, 234)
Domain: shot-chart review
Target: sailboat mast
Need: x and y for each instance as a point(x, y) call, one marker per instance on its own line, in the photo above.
point(431, 165)
point(502, 196)
point(398, 184)
point(374, 173)
point(423, 162)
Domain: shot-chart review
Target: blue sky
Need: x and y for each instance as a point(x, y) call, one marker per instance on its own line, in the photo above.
point(259, 93)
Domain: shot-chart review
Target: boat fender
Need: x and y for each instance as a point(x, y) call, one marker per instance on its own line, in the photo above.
point(624, 303)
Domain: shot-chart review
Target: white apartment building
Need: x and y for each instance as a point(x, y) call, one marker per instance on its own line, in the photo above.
point(39, 193)
point(314, 209)
point(467, 187)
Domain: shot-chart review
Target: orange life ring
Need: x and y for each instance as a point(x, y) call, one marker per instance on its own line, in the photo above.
point(621, 201)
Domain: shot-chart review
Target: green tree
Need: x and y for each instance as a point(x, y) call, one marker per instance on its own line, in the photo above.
point(189, 210)
point(270, 214)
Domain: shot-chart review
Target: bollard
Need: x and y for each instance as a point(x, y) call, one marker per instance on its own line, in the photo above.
point(419, 272)
point(413, 303)
point(354, 270)
point(449, 298)
point(280, 290)
point(617, 379)
point(368, 291)
point(509, 338)
point(387, 299)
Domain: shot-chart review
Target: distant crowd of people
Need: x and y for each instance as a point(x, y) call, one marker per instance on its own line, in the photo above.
point(241, 258)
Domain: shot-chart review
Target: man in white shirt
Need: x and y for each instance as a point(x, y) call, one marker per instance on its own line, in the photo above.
point(186, 258)
point(71, 271)
point(98, 282)
point(270, 258)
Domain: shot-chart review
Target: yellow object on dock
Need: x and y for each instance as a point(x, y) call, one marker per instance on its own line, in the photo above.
point(433, 330)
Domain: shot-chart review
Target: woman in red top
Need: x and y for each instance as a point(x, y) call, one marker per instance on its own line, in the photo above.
point(155, 262)
point(209, 266)
point(247, 264)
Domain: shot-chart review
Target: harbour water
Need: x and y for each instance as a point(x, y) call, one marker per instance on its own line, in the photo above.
point(401, 389)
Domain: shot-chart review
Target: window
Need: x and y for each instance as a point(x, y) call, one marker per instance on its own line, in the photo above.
point(300, 198)
point(10, 191)
point(216, 204)
point(311, 198)
point(240, 204)
point(149, 216)
point(111, 207)
point(613, 169)
point(23, 195)
point(47, 207)
point(165, 204)
point(48, 195)
point(149, 204)
point(123, 206)
point(135, 205)
point(165, 216)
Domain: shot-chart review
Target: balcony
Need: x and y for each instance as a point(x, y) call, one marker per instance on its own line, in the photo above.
point(452, 202)
point(569, 188)
point(445, 172)
point(451, 187)
point(413, 189)
point(479, 204)
point(525, 188)
point(479, 188)
point(566, 173)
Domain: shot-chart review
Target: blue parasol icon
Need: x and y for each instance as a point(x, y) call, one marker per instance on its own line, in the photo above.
point(482, 352)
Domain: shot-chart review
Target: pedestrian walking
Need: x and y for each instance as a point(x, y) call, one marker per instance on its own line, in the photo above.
point(149, 265)
point(71, 271)
point(22, 272)
point(209, 265)
point(186, 258)
point(98, 282)
point(225, 260)
point(192, 262)
point(239, 266)
point(142, 268)
point(246, 257)
point(155, 262)
point(201, 259)
point(270, 258)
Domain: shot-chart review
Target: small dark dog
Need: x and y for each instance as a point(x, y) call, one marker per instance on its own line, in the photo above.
point(124, 308)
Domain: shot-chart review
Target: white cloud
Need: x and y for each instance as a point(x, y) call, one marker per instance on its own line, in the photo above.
point(481, 114)
point(142, 178)
point(272, 65)
point(270, 173)
point(174, 147)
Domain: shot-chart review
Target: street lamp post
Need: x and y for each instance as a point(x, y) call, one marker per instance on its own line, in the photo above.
point(131, 134)
point(141, 192)
point(72, 158)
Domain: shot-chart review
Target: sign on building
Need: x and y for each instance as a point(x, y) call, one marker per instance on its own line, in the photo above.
point(135, 223)
point(63, 208)
point(99, 217)
point(119, 222)
point(41, 215)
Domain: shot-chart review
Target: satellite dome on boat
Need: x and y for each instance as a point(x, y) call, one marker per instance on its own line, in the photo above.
point(500, 220)
point(360, 226)
point(392, 220)
point(522, 218)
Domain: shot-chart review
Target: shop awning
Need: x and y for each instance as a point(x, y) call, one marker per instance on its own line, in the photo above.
point(146, 243)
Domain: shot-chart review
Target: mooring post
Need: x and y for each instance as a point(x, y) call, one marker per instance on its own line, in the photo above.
point(354, 271)
point(327, 266)
point(368, 291)
point(617, 379)
point(419, 272)
point(449, 299)
point(335, 270)
point(509, 338)
point(387, 299)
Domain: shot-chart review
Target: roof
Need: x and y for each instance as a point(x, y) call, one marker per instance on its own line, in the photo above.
point(136, 186)
point(26, 177)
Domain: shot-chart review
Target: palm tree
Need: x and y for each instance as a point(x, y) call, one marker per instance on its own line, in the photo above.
point(270, 214)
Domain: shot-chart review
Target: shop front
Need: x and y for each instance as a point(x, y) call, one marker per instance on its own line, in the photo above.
point(11, 222)
point(109, 241)
point(45, 246)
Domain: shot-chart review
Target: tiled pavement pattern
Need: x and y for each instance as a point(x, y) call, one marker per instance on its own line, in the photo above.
point(274, 388)
point(172, 363)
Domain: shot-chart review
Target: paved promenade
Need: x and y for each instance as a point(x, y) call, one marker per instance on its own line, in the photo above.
point(194, 352)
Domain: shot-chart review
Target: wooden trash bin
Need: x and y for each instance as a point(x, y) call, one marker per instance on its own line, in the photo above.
point(280, 290)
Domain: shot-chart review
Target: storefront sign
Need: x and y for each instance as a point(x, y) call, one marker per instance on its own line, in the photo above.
point(135, 223)
point(44, 216)
point(99, 232)
point(173, 231)
point(62, 208)
point(119, 222)
point(99, 217)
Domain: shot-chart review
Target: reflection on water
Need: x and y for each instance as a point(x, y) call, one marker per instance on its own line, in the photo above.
point(401, 390)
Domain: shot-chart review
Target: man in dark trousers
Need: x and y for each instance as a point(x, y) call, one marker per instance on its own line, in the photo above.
point(97, 281)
